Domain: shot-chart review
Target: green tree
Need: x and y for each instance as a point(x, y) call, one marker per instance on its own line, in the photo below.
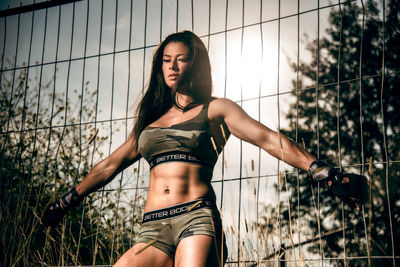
point(350, 116)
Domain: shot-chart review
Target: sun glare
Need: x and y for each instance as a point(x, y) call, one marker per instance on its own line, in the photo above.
point(255, 72)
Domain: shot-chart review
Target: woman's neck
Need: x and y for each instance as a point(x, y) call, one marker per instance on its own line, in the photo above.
point(183, 100)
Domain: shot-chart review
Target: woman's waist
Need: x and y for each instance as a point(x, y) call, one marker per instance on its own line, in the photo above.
point(165, 193)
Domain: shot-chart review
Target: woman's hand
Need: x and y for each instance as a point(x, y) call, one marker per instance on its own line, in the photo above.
point(350, 188)
point(55, 211)
point(53, 215)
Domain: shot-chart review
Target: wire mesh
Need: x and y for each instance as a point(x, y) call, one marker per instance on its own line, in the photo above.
point(322, 72)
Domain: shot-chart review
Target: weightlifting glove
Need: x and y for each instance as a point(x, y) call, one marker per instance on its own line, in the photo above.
point(354, 191)
point(55, 211)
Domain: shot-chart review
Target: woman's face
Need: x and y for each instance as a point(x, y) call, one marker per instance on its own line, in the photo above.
point(176, 60)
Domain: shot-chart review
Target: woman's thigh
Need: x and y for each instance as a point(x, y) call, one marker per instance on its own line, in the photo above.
point(199, 251)
point(149, 256)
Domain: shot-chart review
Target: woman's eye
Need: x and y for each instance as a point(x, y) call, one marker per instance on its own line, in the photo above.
point(166, 60)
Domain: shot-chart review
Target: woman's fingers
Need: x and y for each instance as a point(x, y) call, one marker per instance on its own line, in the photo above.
point(345, 180)
point(350, 200)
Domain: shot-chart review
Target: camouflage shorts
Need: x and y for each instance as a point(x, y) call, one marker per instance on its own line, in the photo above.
point(165, 228)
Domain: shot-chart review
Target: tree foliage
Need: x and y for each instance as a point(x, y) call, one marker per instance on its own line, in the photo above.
point(349, 117)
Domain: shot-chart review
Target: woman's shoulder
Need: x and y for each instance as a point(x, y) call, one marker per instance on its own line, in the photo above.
point(218, 107)
point(220, 101)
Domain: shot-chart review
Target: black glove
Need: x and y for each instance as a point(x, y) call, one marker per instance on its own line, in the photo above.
point(353, 192)
point(55, 211)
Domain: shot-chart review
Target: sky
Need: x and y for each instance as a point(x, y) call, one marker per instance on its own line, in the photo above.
point(250, 51)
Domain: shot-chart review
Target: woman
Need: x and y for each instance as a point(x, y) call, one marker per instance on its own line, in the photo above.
point(180, 131)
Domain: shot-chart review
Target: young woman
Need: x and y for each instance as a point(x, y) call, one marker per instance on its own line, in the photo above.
point(180, 131)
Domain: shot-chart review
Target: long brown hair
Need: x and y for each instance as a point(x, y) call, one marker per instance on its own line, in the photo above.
point(196, 82)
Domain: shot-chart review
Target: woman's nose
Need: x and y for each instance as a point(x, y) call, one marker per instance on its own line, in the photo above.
point(174, 65)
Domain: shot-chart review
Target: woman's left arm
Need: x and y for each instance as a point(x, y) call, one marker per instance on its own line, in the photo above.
point(246, 128)
point(351, 188)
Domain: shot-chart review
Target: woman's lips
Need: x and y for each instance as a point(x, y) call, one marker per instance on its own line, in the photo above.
point(173, 76)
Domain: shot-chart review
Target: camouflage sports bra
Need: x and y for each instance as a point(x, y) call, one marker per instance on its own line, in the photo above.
point(189, 141)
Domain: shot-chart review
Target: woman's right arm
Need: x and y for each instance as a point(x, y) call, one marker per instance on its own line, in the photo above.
point(106, 170)
point(101, 174)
